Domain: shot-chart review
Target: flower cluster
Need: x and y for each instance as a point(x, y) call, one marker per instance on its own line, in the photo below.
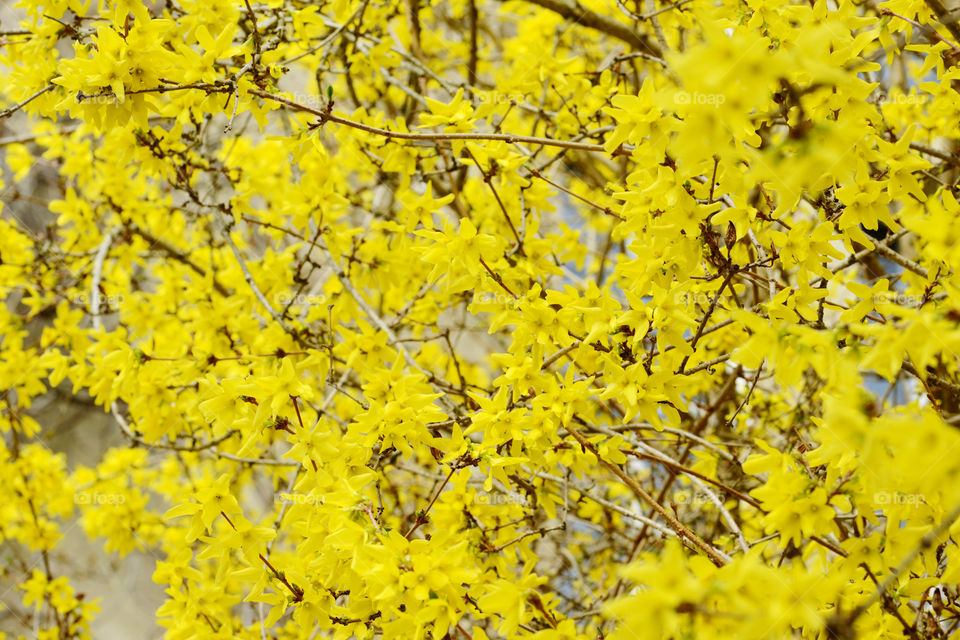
point(385, 354)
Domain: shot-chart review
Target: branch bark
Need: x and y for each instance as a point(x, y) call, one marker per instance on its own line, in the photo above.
point(587, 18)
point(716, 556)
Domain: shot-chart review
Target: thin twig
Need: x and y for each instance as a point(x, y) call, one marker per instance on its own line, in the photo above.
point(718, 557)
point(6, 113)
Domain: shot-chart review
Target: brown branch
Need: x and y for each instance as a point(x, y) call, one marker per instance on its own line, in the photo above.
point(925, 543)
point(935, 380)
point(946, 18)
point(586, 18)
point(405, 135)
point(696, 474)
point(179, 257)
point(927, 30)
point(496, 277)
point(294, 589)
point(6, 113)
point(474, 18)
point(488, 179)
point(705, 319)
point(421, 517)
point(715, 556)
point(606, 210)
point(253, 28)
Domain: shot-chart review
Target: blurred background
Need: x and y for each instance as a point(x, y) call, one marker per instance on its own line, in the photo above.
point(74, 426)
